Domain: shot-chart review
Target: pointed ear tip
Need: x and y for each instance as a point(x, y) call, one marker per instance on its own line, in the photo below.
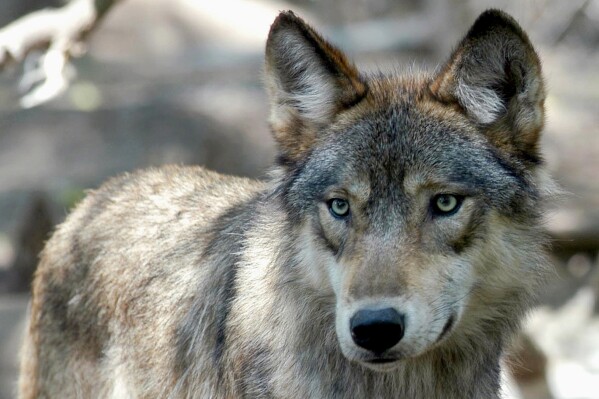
point(285, 21)
point(285, 18)
point(493, 18)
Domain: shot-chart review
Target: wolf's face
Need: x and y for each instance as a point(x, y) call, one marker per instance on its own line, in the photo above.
point(408, 191)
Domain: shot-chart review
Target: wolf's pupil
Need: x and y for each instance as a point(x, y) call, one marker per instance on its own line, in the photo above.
point(446, 203)
point(339, 207)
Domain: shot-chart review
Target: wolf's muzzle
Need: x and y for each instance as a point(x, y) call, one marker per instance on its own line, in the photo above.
point(377, 330)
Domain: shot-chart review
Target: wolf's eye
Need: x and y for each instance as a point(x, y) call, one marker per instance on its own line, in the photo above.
point(446, 204)
point(339, 207)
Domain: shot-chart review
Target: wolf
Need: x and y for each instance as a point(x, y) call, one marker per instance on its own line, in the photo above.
point(391, 252)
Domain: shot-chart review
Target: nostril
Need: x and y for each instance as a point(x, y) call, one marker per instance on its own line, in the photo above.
point(377, 330)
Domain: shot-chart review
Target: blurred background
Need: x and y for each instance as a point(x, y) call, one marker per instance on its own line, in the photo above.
point(179, 81)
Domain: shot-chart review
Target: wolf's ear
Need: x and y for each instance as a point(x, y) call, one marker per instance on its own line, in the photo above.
point(309, 82)
point(494, 75)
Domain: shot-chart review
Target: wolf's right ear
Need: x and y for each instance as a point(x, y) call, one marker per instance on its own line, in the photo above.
point(494, 75)
point(309, 81)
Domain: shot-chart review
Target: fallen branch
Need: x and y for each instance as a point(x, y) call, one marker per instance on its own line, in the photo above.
point(59, 35)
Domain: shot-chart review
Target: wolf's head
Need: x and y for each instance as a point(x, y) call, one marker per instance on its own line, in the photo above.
point(415, 198)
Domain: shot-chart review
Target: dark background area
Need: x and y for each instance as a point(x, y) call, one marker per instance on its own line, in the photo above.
point(179, 81)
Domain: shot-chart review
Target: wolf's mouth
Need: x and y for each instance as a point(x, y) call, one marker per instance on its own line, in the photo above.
point(382, 364)
point(382, 361)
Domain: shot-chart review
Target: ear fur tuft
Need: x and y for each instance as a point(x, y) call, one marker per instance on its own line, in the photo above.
point(494, 75)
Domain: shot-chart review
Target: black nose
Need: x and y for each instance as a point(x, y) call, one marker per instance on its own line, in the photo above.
point(377, 330)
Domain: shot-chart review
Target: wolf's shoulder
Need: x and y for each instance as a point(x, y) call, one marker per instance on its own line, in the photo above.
point(142, 206)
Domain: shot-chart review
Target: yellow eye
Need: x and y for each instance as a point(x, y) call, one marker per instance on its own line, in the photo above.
point(339, 207)
point(446, 204)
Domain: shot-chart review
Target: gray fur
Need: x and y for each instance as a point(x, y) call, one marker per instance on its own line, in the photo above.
point(182, 283)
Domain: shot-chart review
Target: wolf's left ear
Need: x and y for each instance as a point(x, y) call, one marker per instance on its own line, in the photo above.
point(309, 82)
point(494, 75)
